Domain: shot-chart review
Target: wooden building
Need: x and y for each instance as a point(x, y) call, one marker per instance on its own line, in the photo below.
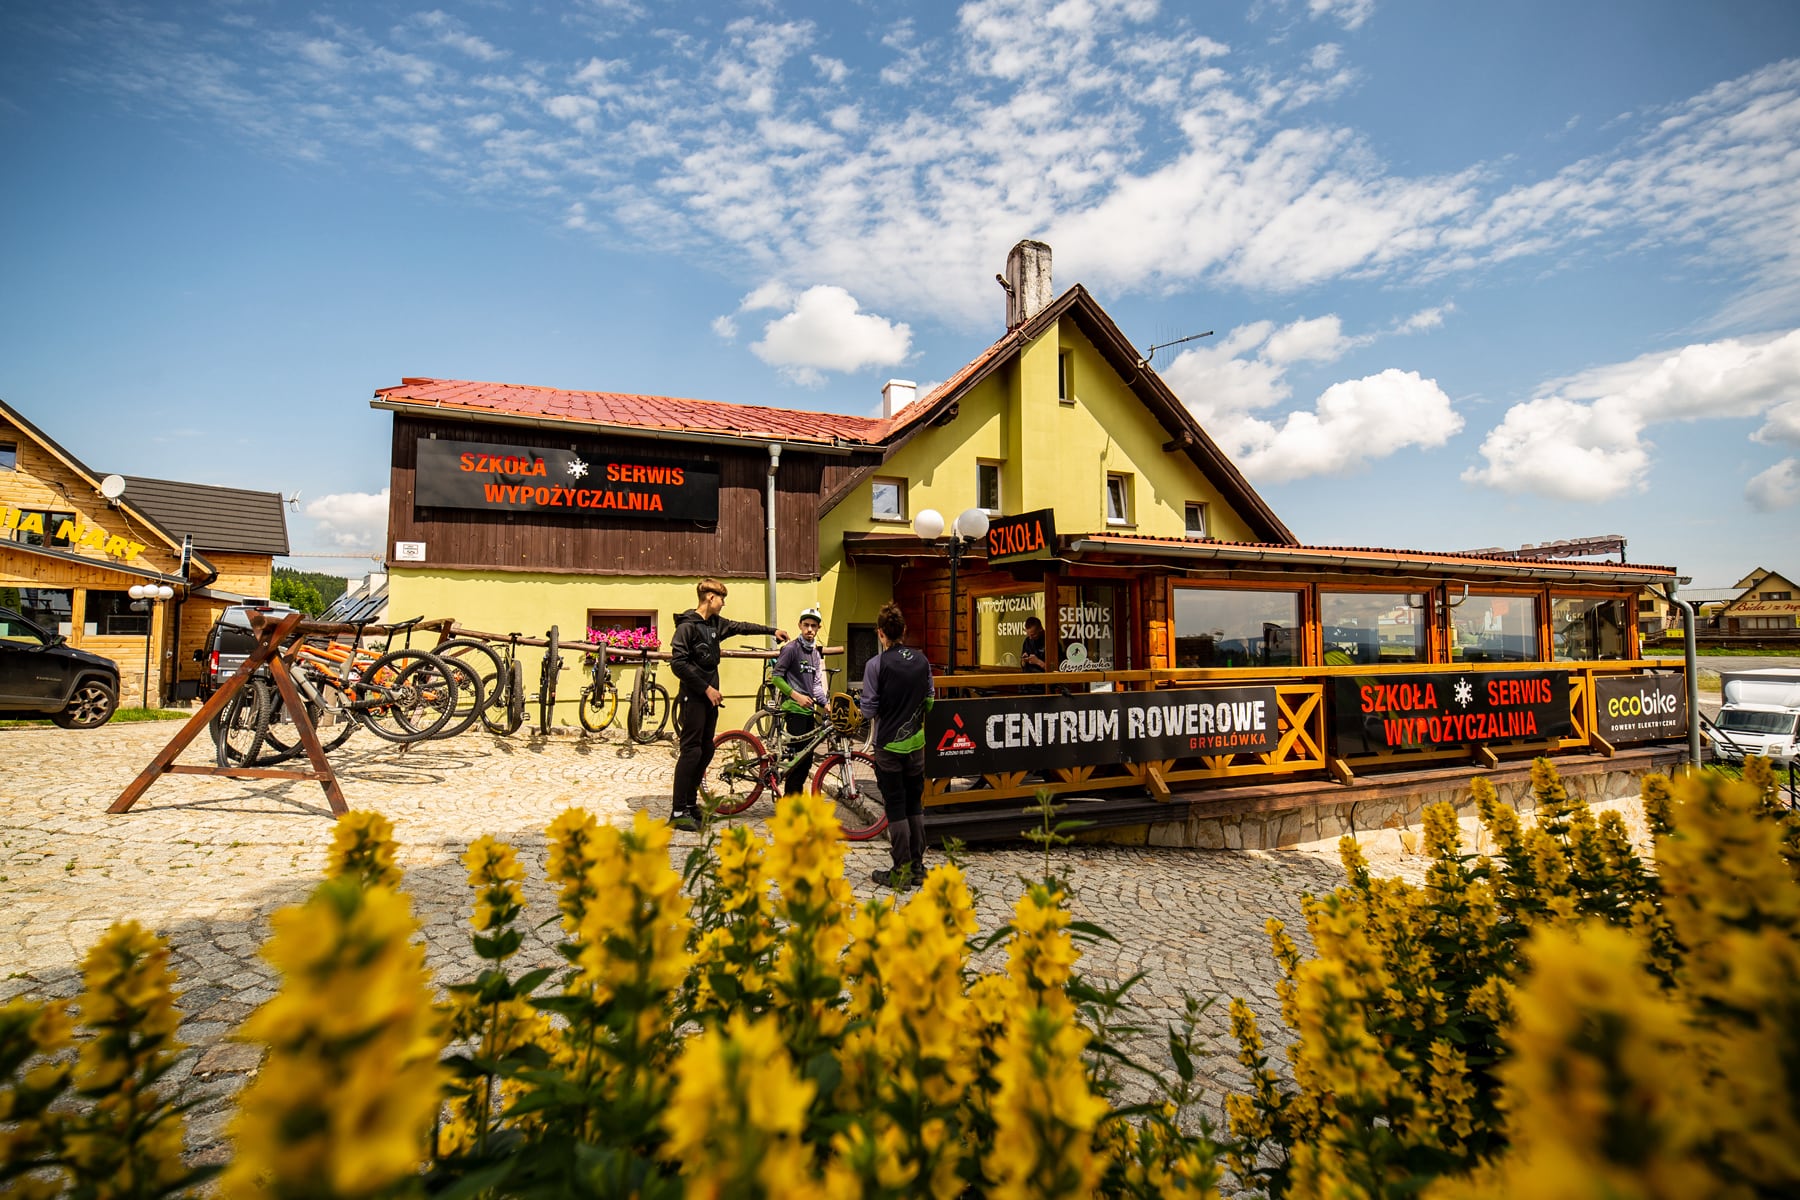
point(1114, 519)
point(69, 556)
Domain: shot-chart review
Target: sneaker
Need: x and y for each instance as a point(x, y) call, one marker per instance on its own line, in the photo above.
point(888, 879)
point(686, 822)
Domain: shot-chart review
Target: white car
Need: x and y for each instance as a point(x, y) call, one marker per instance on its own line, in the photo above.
point(1760, 716)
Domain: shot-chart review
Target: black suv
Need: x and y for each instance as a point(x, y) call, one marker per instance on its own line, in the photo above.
point(41, 675)
point(229, 642)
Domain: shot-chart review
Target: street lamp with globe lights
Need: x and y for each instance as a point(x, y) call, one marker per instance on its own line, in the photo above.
point(971, 526)
point(146, 596)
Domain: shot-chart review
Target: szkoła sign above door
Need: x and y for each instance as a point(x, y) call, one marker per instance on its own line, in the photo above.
point(1040, 733)
point(484, 475)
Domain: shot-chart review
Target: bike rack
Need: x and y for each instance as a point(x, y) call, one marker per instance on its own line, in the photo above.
point(270, 636)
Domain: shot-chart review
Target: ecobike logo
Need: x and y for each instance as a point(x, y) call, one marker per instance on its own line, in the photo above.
point(1644, 704)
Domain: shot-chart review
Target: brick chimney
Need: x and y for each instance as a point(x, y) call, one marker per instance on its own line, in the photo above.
point(896, 394)
point(1027, 281)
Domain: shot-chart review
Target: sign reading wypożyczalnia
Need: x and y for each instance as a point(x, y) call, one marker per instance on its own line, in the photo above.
point(1640, 708)
point(1373, 713)
point(491, 477)
point(1039, 733)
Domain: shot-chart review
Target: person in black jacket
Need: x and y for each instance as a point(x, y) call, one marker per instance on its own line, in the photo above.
point(897, 692)
point(694, 655)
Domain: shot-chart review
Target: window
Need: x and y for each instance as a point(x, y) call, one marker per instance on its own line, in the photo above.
point(1493, 629)
point(1583, 629)
point(1219, 627)
point(1777, 595)
point(888, 500)
point(114, 614)
point(1646, 606)
point(1118, 499)
point(1196, 519)
point(623, 628)
point(987, 486)
point(9, 456)
point(50, 608)
point(1065, 378)
point(1000, 627)
point(1089, 625)
point(39, 527)
point(1362, 628)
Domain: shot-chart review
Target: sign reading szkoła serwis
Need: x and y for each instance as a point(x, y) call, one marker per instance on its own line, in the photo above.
point(1373, 713)
point(483, 475)
point(1640, 708)
point(1040, 733)
point(1028, 535)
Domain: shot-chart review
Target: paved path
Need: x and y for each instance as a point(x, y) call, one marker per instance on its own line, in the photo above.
point(206, 861)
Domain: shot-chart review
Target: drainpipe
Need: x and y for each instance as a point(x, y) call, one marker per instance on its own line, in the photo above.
point(769, 510)
point(1693, 673)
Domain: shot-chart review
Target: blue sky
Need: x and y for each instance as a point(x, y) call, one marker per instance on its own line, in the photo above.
point(1479, 274)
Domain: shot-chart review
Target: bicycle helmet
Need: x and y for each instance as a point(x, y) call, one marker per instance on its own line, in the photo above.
point(813, 613)
point(843, 713)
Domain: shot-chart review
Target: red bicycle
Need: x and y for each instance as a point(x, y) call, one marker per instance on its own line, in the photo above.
point(743, 769)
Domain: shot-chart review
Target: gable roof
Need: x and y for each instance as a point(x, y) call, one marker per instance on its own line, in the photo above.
point(220, 518)
point(1185, 432)
point(715, 419)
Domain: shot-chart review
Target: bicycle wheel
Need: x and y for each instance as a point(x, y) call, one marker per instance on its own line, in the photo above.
point(768, 696)
point(766, 725)
point(470, 698)
point(599, 705)
point(515, 699)
point(547, 683)
point(330, 717)
point(405, 696)
point(238, 730)
point(648, 714)
point(739, 772)
point(489, 668)
point(847, 779)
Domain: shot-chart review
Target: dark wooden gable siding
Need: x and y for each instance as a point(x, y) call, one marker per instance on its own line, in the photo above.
point(615, 545)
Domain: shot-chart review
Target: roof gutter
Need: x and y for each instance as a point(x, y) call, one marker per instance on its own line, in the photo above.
point(1227, 553)
point(747, 441)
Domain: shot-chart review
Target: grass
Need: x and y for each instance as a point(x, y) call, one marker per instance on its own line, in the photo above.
point(124, 716)
point(1676, 651)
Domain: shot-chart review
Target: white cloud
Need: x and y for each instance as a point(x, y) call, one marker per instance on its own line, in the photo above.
point(724, 328)
point(828, 331)
point(1777, 487)
point(831, 70)
point(351, 520)
point(1318, 340)
point(1582, 438)
point(1354, 423)
point(1348, 13)
point(1425, 319)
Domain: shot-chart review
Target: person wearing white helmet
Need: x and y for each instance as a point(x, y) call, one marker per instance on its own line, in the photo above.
point(800, 678)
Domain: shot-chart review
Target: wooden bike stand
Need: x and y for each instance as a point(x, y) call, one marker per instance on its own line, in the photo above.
point(270, 637)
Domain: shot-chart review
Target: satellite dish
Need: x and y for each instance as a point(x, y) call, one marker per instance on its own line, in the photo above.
point(112, 487)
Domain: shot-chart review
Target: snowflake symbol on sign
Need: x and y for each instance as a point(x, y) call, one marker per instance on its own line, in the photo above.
point(1465, 694)
point(577, 468)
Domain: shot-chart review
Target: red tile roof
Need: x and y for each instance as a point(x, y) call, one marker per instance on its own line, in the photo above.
point(643, 412)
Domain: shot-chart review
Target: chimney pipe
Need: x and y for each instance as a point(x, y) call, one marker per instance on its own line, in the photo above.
point(1027, 282)
point(896, 394)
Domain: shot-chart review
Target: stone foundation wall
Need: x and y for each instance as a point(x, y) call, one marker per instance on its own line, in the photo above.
point(1382, 823)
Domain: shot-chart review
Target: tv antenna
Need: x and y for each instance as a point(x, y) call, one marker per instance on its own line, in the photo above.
point(293, 502)
point(1151, 352)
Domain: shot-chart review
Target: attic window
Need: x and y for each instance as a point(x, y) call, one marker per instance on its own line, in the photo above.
point(1118, 499)
point(1196, 519)
point(9, 456)
point(887, 500)
point(1065, 378)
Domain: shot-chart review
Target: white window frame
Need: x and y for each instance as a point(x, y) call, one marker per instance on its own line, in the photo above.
point(1065, 377)
point(899, 486)
point(1187, 514)
point(999, 486)
point(1123, 479)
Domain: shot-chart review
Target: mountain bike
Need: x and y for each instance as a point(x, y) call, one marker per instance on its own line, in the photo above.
point(769, 723)
point(743, 769)
point(502, 677)
point(647, 712)
point(552, 667)
point(599, 702)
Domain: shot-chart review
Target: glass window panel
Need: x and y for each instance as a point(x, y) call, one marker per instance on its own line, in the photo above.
point(987, 486)
point(1219, 628)
point(9, 456)
point(1196, 520)
point(1088, 626)
point(1493, 629)
point(1000, 627)
point(1362, 628)
point(52, 608)
point(115, 614)
point(889, 500)
point(41, 527)
point(1118, 500)
point(1584, 628)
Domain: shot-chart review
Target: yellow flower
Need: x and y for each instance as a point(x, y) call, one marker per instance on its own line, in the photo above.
point(362, 844)
point(494, 873)
point(571, 838)
point(736, 1114)
point(1044, 1114)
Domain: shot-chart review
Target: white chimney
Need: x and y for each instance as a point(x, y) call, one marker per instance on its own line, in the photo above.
point(1027, 282)
point(896, 394)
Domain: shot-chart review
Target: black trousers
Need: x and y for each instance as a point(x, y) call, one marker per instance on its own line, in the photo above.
point(699, 720)
point(799, 724)
point(901, 778)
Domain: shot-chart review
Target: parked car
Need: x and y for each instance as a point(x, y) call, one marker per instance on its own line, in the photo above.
point(42, 675)
point(229, 642)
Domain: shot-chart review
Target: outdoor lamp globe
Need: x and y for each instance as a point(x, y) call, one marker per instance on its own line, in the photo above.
point(165, 592)
point(973, 524)
point(136, 592)
point(929, 523)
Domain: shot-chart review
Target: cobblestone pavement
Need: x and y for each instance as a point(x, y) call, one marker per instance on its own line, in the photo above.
point(206, 861)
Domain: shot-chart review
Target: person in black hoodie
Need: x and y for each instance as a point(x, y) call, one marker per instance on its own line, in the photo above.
point(694, 655)
point(897, 692)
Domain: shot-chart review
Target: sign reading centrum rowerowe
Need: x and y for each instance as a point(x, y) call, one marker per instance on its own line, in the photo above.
point(1396, 712)
point(1041, 733)
point(484, 475)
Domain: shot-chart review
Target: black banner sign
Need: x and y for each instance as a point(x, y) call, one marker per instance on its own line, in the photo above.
point(1640, 708)
point(1039, 733)
point(1028, 535)
point(1373, 713)
point(532, 479)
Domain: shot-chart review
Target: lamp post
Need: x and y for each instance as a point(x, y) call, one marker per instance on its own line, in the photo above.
point(146, 595)
point(971, 526)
